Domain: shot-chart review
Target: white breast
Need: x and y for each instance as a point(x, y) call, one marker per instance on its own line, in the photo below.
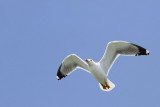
point(98, 73)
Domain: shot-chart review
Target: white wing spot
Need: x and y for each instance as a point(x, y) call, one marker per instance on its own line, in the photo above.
point(57, 78)
point(147, 52)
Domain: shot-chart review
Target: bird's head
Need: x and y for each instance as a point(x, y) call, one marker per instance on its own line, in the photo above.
point(89, 61)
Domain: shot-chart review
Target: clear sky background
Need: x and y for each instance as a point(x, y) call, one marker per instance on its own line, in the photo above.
point(36, 35)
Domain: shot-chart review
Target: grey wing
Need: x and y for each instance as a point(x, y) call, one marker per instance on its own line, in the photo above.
point(116, 48)
point(69, 64)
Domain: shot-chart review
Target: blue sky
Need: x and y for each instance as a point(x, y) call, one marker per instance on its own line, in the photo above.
point(36, 35)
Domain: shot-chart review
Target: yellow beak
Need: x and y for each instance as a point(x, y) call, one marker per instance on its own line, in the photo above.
point(86, 60)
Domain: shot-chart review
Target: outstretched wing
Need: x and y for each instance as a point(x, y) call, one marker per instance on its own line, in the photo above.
point(116, 48)
point(69, 64)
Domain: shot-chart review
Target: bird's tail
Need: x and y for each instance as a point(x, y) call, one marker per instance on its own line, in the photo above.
point(110, 84)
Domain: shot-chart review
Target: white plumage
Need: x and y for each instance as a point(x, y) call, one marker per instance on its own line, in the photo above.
point(100, 70)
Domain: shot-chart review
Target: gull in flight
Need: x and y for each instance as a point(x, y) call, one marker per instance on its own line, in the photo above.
point(99, 70)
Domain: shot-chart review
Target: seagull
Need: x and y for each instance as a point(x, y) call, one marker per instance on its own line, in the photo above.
point(99, 70)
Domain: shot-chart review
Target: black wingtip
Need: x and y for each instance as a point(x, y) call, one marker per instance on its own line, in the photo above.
point(142, 51)
point(59, 74)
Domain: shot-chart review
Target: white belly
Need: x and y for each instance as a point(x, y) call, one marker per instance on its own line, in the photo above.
point(98, 74)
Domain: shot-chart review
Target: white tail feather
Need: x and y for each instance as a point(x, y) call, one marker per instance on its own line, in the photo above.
point(110, 84)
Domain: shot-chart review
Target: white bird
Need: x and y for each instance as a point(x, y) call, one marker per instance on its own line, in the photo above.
point(100, 70)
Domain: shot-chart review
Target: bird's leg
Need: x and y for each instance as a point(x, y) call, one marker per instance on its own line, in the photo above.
point(105, 86)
